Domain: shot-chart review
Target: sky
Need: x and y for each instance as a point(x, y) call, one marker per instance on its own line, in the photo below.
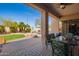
point(19, 12)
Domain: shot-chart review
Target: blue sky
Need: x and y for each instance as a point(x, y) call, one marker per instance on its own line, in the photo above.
point(19, 12)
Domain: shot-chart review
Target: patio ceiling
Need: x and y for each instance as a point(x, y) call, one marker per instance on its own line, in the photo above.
point(68, 10)
point(71, 11)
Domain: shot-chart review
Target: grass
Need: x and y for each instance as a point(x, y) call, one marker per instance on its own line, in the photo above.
point(13, 37)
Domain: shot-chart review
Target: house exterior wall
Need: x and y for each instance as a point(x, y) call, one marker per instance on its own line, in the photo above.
point(55, 26)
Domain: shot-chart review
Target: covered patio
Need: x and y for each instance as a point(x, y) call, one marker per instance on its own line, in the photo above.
point(63, 15)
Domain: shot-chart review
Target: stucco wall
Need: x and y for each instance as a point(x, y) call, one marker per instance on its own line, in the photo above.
point(55, 26)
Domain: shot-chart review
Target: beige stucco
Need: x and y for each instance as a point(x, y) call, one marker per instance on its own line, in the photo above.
point(55, 25)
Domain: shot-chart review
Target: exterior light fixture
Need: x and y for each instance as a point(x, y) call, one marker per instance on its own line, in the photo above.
point(62, 5)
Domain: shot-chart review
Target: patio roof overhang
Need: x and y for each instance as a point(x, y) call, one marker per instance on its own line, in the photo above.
point(71, 11)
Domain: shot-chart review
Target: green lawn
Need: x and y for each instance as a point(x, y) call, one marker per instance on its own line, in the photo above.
point(13, 37)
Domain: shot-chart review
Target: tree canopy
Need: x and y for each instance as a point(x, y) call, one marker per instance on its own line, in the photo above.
point(14, 26)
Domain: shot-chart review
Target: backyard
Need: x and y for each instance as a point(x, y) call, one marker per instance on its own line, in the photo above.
point(11, 37)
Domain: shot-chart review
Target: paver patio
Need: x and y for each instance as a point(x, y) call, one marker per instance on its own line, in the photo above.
point(26, 47)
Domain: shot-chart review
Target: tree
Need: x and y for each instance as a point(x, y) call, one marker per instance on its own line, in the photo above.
point(7, 23)
point(28, 28)
point(1, 29)
point(14, 27)
point(22, 26)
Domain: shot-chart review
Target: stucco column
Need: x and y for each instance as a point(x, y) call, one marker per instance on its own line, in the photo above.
point(44, 27)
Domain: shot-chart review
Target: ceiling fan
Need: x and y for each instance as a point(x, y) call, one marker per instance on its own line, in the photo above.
point(63, 5)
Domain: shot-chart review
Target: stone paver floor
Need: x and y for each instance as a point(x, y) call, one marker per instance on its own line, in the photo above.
point(26, 47)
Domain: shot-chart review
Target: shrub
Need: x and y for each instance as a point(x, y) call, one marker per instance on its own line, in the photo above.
point(1, 29)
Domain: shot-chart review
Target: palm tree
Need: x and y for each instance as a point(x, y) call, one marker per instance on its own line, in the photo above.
point(24, 28)
point(21, 26)
point(28, 28)
point(14, 27)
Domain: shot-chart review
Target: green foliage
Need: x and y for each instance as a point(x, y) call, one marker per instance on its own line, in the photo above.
point(14, 26)
point(21, 26)
point(28, 30)
point(7, 23)
point(13, 29)
point(24, 28)
point(1, 29)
